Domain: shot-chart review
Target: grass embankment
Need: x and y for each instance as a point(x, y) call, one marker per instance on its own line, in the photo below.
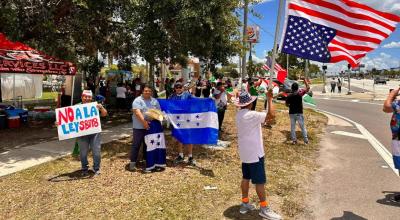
point(54, 190)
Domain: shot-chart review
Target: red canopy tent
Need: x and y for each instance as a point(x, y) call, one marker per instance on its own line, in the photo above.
point(18, 58)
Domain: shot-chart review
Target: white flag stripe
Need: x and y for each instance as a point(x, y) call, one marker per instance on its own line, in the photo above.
point(194, 120)
point(155, 141)
point(363, 12)
point(276, 69)
point(335, 25)
point(341, 15)
point(342, 53)
point(351, 52)
point(356, 42)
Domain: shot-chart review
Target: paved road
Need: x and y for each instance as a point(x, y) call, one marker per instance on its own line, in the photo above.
point(370, 116)
point(353, 182)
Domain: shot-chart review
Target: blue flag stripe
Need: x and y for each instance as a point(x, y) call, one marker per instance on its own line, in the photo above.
point(196, 135)
point(155, 158)
point(188, 106)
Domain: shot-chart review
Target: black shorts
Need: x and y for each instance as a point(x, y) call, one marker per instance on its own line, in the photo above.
point(255, 172)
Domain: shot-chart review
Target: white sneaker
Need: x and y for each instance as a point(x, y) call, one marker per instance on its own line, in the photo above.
point(245, 207)
point(268, 213)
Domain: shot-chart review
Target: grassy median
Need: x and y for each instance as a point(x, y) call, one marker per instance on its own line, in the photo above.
point(55, 189)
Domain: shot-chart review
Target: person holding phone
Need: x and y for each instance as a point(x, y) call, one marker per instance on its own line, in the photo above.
point(392, 105)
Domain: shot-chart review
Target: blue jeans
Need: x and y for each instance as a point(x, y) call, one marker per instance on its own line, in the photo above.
point(85, 143)
point(299, 118)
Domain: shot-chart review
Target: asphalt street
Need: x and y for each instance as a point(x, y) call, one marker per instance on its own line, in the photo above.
point(353, 182)
point(370, 115)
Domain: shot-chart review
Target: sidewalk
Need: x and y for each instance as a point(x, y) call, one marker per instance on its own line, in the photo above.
point(19, 159)
point(353, 181)
point(356, 93)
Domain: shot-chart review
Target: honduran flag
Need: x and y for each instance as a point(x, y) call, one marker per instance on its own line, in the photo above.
point(194, 121)
point(155, 141)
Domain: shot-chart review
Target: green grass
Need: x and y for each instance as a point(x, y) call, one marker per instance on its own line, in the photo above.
point(49, 95)
point(317, 81)
point(54, 190)
point(46, 95)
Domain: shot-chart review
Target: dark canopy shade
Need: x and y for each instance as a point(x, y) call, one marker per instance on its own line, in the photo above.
point(16, 57)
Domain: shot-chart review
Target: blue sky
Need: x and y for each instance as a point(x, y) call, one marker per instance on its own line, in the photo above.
point(386, 56)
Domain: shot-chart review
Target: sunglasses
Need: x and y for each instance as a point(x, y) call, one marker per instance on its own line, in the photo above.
point(178, 87)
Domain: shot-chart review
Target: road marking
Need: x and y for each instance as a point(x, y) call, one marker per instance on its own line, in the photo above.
point(349, 134)
point(326, 98)
point(341, 100)
point(382, 151)
point(355, 100)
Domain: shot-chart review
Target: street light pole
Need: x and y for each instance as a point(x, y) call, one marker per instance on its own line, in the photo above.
point(324, 67)
point(349, 71)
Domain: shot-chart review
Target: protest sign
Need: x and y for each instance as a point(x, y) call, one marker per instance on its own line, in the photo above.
point(78, 120)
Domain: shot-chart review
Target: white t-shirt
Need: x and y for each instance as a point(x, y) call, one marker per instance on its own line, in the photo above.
point(222, 101)
point(250, 141)
point(121, 92)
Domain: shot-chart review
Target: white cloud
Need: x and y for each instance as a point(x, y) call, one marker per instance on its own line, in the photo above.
point(385, 55)
point(392, 6)
point(235, 59)
point(383, 61)
point(392, 44)
point(258, 59)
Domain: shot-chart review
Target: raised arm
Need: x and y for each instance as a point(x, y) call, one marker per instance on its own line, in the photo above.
point(387, 105)
point(271, 108)
point(307, 85)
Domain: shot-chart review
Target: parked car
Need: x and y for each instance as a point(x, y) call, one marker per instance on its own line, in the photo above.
point(380, 80)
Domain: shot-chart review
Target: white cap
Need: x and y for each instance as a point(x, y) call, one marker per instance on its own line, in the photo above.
point(87, 93)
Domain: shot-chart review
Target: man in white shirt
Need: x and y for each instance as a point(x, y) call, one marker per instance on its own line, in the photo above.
point(251, 152)
point(121, 96)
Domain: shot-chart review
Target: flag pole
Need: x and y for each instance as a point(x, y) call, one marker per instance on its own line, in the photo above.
point(245, 14)
point(287, 64)
point(274, 53)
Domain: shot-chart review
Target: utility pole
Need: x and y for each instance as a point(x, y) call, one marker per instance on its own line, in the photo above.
point(245, 14)
point(250, 57)
point(349, 71)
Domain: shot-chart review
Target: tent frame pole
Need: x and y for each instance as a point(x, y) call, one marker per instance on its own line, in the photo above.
point(14, 98)
point(73, 88)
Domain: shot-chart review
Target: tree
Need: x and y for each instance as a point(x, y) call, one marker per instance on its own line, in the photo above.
point(170, 30)
point(229, 70)
point(159, 31)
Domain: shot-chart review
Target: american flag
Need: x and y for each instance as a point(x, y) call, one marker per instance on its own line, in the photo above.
point(331, 31)
point(280, 72)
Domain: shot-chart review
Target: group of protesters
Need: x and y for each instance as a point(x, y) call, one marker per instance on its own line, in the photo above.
point(126, 92)
point(248, 122)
